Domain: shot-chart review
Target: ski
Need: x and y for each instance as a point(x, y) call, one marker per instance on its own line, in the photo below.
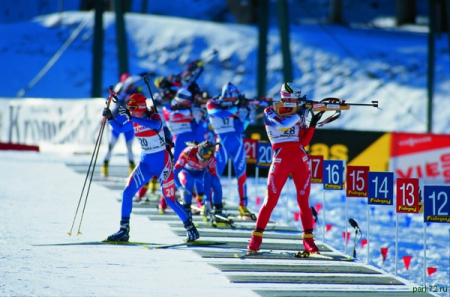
point(203, 243)
point(251, 217)
point(291, 255)
point(132, 243)
point(110, 179)
point(213, 218)
point(149, 245)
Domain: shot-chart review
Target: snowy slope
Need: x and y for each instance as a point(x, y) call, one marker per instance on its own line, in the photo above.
point(357, 64)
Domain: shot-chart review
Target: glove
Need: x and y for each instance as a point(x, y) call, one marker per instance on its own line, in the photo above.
point(123, 111)
point(107, 113)
point(315, 119)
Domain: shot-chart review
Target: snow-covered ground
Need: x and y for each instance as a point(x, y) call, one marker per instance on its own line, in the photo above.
point(39, 194)
point(39, 197)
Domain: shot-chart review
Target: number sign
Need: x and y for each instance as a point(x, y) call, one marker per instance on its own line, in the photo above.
point(407, 195)
point(381, 188)
point(316, 168)
point(437, 204)
point(250, 146)
point(357, 185)
point(264, 154)
point(333, 178)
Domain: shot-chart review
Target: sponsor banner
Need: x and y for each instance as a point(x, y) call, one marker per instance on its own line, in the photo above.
point(38, 121)
point(425, 156)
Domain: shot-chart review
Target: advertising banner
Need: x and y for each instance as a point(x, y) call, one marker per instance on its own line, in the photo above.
point(425, 156)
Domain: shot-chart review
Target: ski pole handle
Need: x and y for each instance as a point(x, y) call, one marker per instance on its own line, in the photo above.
point(112, 96)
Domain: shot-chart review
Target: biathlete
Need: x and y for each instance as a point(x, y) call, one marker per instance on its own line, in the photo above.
point(289, 135)
point(155, 160)
point(225, 116)
point(197, 165)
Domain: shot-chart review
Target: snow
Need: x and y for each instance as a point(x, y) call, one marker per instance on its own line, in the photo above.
point(39, 193)
point(356, 64)
point(39, 198)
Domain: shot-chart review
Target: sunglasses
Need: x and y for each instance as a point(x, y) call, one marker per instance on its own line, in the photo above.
point(135, 107)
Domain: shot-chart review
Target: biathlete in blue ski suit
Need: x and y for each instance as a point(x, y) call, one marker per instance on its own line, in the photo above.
point(155, 160)
point(183, 126)
point(166, 92)
point(125, 88)
point(180, 120)
point(228, 124)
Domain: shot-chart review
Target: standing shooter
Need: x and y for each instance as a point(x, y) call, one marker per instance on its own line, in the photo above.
point(287, 131)
point(155, 160)
point(225, 118)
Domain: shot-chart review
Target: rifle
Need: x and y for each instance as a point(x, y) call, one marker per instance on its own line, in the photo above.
point(258, 101)
point(194, 70)
point(326, 104)
point(331, 104)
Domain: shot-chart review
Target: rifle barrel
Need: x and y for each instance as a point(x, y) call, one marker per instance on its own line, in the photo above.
point(374, 104)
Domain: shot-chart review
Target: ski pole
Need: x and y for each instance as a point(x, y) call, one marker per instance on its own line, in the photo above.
point(316, 219)
point(112, 94)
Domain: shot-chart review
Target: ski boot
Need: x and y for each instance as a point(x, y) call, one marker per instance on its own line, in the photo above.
point(244, 212)
point(199, 200)
point(192, 233)
point(219, 215)
point(206, 210)
point(162, 206)
point(255, 241)
point(104, 169)
point(308, 243)
point(132, 166)
point(123, 235)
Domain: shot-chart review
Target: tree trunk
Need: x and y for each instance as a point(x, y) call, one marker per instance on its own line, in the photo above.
point(244, 11)
point(335, 16)
point(405, 12)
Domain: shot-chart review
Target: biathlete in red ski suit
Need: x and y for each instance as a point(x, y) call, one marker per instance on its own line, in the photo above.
point(286, 127)
point(197, 164)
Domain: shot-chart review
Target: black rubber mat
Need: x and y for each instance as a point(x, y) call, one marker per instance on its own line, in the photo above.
point(331, 293)
point(228, 254)
point(316, 279)
point(196, 218)
point(241, 234)
point(294, 268)
point(270, 227)
point(298, 246)
point(270, 246)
